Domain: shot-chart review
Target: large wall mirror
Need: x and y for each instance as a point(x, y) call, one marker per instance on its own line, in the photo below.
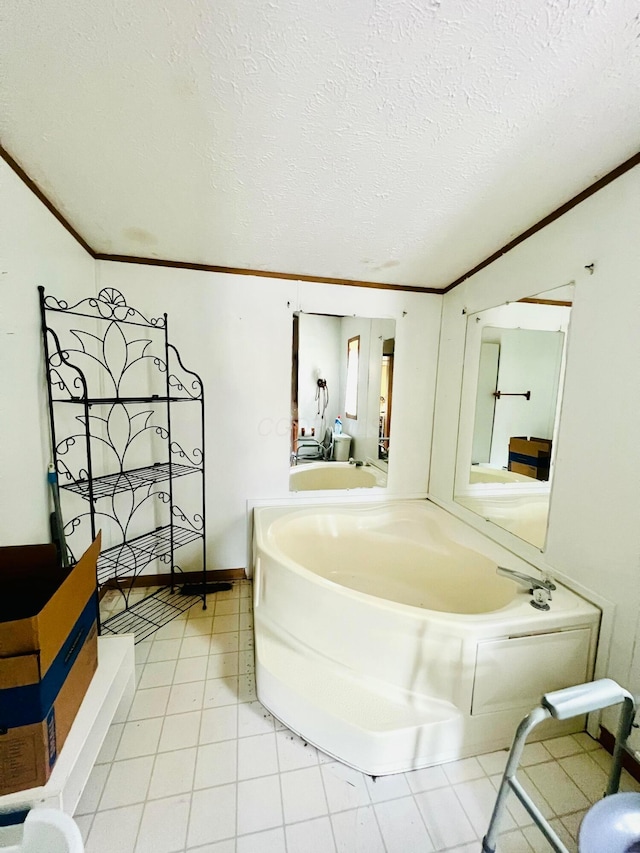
point(341, 402)
point(511, 398)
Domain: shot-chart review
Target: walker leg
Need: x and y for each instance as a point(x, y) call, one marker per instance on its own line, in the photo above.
point(538, 715)
point(624, 730)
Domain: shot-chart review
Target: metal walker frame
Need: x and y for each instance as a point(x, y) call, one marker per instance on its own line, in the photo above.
point(561, 705)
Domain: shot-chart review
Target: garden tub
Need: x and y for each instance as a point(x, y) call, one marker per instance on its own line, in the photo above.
point(385, 637)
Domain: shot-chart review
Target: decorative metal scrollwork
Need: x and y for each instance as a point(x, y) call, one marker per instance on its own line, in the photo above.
point(111, 389)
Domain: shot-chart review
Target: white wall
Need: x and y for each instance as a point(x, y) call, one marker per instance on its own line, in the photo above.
point(34, 250)
point(594, 529)
point(319, 348)
point(236, 332)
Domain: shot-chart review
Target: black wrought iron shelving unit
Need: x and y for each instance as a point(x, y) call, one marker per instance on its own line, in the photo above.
point(99, 354)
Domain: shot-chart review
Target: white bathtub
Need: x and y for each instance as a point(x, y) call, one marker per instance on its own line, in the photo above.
point(524, 515)
point(489, 474)
point(312, 476)
point(385, 638)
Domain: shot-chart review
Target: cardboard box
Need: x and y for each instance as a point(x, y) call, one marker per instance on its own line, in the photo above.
point(530, 456)
point(48, 655)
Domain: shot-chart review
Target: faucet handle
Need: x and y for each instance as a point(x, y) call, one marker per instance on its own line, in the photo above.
point(541, 599)
point(548, 579)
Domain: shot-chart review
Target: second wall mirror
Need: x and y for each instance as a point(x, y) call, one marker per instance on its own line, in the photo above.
point(510, 408)
point(341, 401)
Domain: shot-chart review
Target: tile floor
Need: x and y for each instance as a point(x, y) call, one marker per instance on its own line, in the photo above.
point(197, 764)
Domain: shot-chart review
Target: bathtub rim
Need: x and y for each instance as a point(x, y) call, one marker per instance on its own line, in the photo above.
point(466, 621)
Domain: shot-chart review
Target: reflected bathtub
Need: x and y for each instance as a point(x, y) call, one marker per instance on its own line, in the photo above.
point(313, 476)
point(385, 637)
point(524, 515)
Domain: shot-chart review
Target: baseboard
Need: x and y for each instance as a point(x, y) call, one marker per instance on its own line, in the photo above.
point(629, 762)
point(213, 576)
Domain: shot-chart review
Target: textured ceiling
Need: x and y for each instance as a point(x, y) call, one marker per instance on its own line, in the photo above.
point(396, 141)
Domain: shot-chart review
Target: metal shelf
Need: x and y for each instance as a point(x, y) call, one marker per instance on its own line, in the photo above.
point(126, 481)
point(145, 617)
point(95, 356)
point(132, 556)
point(97, 401)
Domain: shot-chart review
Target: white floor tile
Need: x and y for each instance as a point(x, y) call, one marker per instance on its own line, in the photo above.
point(149, 703)
point(141, 651)
point(513, 842)
point(219, 724)
point(84, 825)
point(157, 674)
point(269, 841)
point(246, 662)
point(345, 787)
point(172, 773)
point(444, 818)
point(311, 836)
point(515, 808)
point(572, 822)
point(534, 753)
point(303, 794)
point(114, 830)
point(180, 731)
point(259, 804)
point(536, 795)
point(478, 798)
point(254, 719)
point(557, 788)
point(257, 756)
point(127, 783)
point(223, 664)
point(110, 743)
point(402, 826)
point(213, 815)
point(246, 621)
point(163, 650)
point(540, 844)
point(294, 753)
point(224, 624)
point(190, 669)
point(221, 643)
point(93, 790)
point(186, 697)
point(559, 747)
point(227, 608)
point(171, 631)
point(426, 779)
point(357, 831)
point(587, 775)
point(387, 787)
point(164, 825)
point(198, 627)
point(195, 647)
point(463, 771)
point(494, 762)
point(246, 640)
point(140, 737)
point(586, 741)
point(216, 764)
point(247, 688)
point(221, 691)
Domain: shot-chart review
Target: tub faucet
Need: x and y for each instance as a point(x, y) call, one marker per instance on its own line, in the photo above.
point(526, 580)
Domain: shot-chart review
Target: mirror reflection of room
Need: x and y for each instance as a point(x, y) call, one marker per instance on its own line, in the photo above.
point(514, 364)
point(341, 400)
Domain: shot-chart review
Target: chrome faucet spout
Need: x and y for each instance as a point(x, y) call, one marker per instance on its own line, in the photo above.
point(526, 580)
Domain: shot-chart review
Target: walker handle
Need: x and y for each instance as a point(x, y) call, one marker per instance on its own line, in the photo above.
point(584, 698)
